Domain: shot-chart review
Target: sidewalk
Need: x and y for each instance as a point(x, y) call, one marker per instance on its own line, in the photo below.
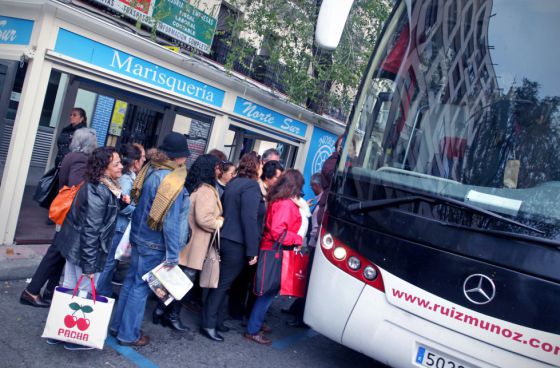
point(21, 264)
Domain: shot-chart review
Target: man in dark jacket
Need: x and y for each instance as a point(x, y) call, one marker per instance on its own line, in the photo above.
point(327, 173)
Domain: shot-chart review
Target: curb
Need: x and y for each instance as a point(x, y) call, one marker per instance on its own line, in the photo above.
point(18, 269)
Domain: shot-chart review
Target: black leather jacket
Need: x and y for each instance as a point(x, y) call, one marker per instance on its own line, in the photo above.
point(87, 231)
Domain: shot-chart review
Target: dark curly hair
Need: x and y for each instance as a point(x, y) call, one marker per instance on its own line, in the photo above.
point(249, 166)
point(289, 185)
point(203, 170)
point(98, 162)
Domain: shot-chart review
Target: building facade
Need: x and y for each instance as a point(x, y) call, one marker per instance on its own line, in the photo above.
point(55, 56)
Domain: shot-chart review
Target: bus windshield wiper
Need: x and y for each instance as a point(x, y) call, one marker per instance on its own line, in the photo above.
point(375, 204)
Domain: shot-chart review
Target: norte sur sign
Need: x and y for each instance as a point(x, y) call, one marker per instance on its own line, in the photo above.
point(175, 18)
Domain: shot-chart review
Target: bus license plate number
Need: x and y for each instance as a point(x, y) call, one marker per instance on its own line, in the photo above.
point(430, 359)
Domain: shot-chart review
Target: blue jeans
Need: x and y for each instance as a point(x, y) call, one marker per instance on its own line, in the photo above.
point(134, 293)
point(258, 313)
point(104, 284)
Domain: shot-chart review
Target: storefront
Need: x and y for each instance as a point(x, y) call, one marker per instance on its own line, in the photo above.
point(132, 90)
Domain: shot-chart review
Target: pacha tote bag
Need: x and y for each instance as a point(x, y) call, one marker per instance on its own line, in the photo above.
point(77, 319)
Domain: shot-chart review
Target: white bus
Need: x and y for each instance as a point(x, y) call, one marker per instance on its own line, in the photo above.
point(440, 246)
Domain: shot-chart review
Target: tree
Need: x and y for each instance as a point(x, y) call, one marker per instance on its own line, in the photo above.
point(283, 31)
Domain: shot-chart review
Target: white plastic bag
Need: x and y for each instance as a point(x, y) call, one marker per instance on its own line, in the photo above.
point(124, 248)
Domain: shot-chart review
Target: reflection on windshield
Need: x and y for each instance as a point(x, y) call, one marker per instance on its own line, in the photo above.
point(463, 102)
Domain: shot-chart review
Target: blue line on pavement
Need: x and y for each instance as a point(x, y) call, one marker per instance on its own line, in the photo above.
point(129, 353)
point(293, 339)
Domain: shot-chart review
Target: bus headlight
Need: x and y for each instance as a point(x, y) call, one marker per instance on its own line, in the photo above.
point(339, 253)
point(328, 241)
point(354, 263)
point(370, 273)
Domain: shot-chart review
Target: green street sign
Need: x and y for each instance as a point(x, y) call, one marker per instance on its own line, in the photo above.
point(176, 18)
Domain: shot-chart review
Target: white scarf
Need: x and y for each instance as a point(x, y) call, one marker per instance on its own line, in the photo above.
point(305, 215)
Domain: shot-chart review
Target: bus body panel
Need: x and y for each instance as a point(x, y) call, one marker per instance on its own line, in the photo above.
point(338, 295)
point(392, 335)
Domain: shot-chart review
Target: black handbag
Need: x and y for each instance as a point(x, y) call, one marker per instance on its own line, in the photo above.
point(47, 188)
point(269, 268)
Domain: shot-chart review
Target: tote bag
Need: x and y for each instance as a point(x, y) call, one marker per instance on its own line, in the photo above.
point(61, 204)
point(79, 320)
point(124, 248)
point(295, 265)
point(269, 268)
point(210, 273)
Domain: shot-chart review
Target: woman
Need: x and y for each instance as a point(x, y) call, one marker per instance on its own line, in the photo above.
point(243, 213)
point(78, 120)
point(85, 237)
point(286, 218)
point(86, 233)
point(226, 173)
point(133, 157)
point(205, 216)
point(159, 230)
point(71, 173)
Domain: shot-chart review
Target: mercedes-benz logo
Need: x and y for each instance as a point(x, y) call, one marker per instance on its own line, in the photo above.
point(479, 289)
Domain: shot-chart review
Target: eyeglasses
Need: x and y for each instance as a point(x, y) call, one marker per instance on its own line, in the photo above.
point(74, 114)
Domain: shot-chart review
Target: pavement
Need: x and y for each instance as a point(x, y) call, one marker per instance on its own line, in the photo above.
point(20, 261)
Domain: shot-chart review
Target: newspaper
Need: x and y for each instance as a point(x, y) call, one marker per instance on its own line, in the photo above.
point(161, 292)
point(173, 279)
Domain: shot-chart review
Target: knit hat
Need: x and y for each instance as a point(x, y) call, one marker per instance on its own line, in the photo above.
point(175, 145)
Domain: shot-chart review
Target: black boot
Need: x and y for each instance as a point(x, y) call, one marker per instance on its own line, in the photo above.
point(157, 315)
point(172, 317)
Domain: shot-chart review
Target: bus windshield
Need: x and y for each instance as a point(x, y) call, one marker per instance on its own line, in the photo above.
point(460, 103)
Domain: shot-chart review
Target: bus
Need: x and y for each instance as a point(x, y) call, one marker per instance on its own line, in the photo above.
point(440, 244)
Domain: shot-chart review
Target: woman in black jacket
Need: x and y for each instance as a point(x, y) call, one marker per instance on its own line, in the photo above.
point(78, 120)
point(244, 211)
point(87, 231)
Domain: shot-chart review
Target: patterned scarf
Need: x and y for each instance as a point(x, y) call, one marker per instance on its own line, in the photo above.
point(112, 185)
point(167, 192)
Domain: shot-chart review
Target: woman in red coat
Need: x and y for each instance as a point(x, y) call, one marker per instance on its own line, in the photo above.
point(284, 214)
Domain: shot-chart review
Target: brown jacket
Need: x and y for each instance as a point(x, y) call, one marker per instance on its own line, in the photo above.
point(204, 218)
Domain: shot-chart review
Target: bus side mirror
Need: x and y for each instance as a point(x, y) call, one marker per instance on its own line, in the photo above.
point(330, 23)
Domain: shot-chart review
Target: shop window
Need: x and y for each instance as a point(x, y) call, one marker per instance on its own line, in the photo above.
point(16, 92)
point(197, 128)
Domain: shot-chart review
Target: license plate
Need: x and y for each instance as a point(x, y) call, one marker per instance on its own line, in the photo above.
point(428, 358)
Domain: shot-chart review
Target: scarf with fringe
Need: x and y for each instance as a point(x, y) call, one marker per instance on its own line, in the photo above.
point(168, 190)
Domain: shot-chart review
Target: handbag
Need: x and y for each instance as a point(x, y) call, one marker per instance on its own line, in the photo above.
point(47, 188)
point(79, 320)
point(210, 273)
point(124, 248)
point(294, 278)
point(269, 268)
point(62, 202)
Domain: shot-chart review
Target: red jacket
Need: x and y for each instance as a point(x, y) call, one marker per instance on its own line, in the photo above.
point(282, 215)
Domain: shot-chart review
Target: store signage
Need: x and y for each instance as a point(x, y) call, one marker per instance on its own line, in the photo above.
point(321, 147)
point(269, 117)
point(103, 56)
point(175, 18)
point(15, 31)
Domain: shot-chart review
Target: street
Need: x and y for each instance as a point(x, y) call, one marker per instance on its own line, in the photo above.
point(22, 346)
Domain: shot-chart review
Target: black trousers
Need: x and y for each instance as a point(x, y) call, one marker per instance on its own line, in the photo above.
point(241, 296)
point(50, 269)
point(232, 261)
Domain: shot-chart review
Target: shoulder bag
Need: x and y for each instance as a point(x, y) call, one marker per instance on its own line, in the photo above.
point(269, 268)
point(210, 273)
